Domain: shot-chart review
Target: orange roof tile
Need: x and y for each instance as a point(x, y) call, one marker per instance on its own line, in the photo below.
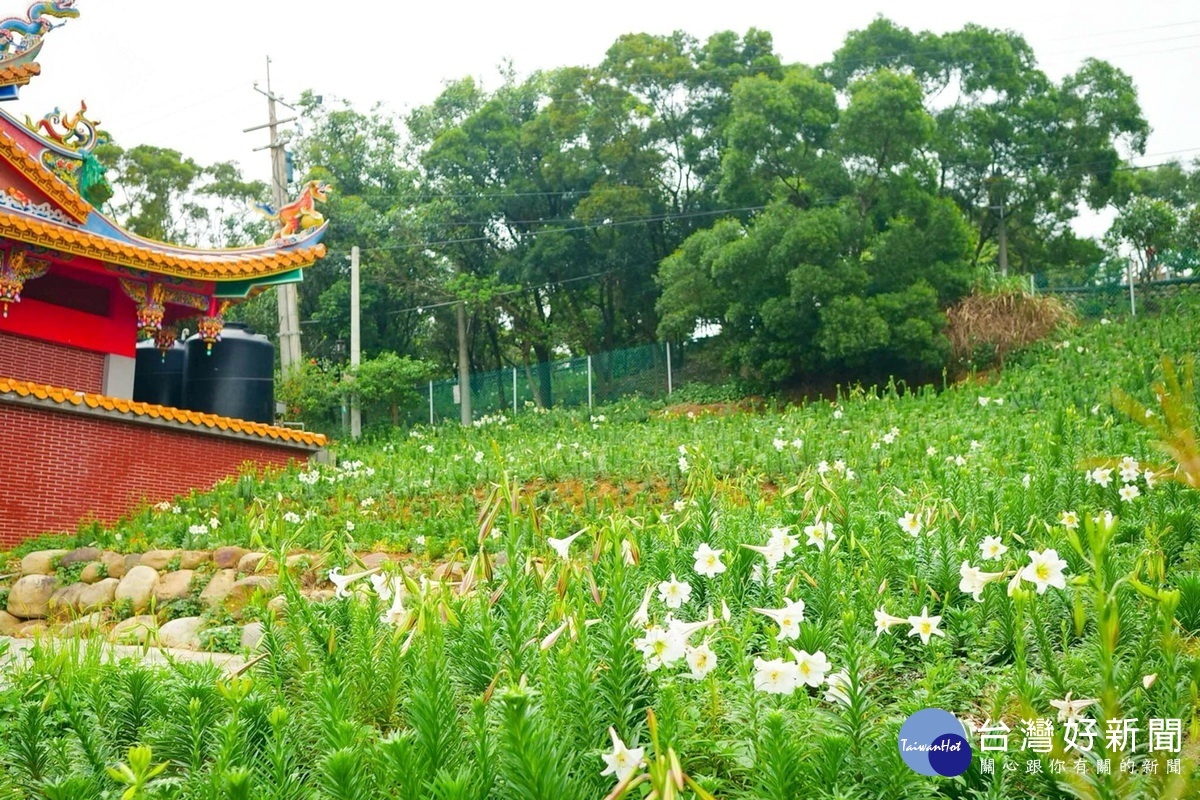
point(19, 74)
point(203, 265)
point(71, 397)
point(55, 187)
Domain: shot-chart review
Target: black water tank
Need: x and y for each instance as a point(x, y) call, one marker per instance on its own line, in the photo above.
point(237, 379)
point(158, 375)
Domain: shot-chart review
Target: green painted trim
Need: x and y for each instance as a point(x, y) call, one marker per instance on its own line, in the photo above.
point(242, 288)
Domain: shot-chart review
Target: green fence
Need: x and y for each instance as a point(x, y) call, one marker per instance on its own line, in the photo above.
point(649, 371)
point(1118, 300)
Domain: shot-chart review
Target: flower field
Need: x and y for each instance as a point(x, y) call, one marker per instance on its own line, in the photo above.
point(689, 603)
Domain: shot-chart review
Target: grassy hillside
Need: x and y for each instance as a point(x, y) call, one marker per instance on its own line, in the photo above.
point(870, 510)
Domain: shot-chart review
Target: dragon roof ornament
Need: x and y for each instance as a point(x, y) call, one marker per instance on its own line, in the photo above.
point(21, 37)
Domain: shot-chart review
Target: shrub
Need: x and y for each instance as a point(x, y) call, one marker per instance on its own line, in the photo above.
point(984, 329)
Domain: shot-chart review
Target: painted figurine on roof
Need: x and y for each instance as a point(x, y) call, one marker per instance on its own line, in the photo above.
point(76, 132)
point(33, 26)
point(300, 215)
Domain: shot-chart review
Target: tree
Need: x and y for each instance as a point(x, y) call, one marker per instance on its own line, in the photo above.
point(160, 194)
point(851, 284)
point(1017, 152)
point(1147, 227)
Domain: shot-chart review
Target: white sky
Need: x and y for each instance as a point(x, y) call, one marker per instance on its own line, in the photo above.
point(180, 74)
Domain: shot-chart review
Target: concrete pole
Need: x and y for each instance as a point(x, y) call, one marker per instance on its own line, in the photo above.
point(464, 367)
point(1003, 243)
point(589, 383)
point(670, 388)
point(289, 312)
point(355, 341)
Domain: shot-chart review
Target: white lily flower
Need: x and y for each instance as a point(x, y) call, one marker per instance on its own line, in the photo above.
point(1045, 569)
point(622, 762)
point(992, 548)
point(812, 666)
point(674, 593)
point(701, 660)
point(925, 626)
point(563, 546)
point(974, 580)
point(820, 533)
point(708, 561)
point(776, 676)
point(1069, 709)
point(641, 617)
point(396, 615)
point(773, 552)
point(789, 618)
point(884, 620)
point(910, 523)
point(836, 686)
point(341, 581)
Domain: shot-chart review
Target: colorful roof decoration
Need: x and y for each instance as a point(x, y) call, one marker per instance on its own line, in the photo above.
point(158, 258)
point(21, 41)
point(69, 397)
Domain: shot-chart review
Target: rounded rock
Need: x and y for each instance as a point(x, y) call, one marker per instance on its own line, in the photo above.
point(218, 586)
point(135, 630)
point(41, 562)
point(114, 563)
point(243, 591)
point(138, 587)
point(181, 634)
point(228, 557)
point(173, 586)
point(98, 594)
point(253, 563)
point(191, 559)
point(158, 559)
point(79, 555)
point(30, 596)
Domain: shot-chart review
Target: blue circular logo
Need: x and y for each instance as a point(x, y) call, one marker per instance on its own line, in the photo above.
point(933, 742)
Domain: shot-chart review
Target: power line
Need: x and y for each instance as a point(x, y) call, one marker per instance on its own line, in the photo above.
point(572, 229)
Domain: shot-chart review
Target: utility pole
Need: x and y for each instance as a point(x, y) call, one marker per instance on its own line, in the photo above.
point(289, 302)
point(1003, 237)
point(464, 366)
point(1002, 230)
point(355, 342)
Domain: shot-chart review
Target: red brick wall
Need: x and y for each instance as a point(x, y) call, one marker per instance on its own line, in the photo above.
point(53, 364)
point(56, 468)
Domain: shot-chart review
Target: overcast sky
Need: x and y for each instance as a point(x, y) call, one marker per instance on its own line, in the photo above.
point(181, 74)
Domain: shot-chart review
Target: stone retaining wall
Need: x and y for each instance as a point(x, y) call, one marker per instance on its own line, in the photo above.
point(185, 599)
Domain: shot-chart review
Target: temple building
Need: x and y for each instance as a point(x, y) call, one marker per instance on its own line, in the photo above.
point(77, 292)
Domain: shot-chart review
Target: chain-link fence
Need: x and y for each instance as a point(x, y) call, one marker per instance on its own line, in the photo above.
point(1120, 299)
point(650, 371)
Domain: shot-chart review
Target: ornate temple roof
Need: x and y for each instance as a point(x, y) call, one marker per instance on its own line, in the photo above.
point(69, 397)
point(69, 223)
point(163, 260)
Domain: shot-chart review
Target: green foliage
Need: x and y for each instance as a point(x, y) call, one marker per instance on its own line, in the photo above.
point(310, 394)
point(506, 684)
point(386, 380)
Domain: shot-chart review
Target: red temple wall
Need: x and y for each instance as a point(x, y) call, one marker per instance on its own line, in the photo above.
point(59, 468)
point(48, 363)
point(112, 332)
